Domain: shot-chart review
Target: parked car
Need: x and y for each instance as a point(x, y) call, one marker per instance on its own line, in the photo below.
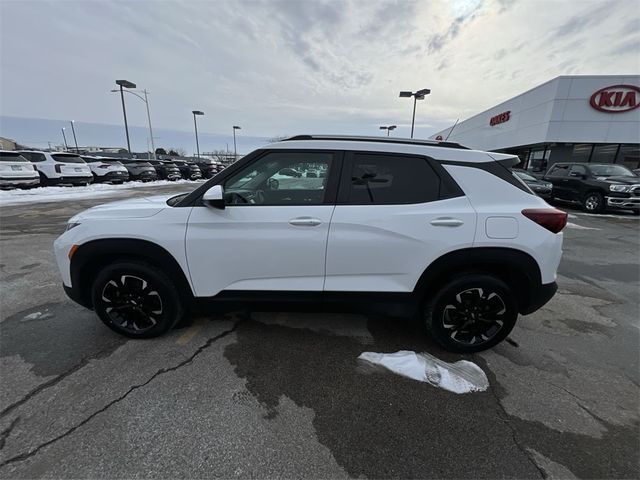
point(140, 170)
point(425, 229)
point(208, 166)
point(595, 186)
point(166, 170)
point(107, 170)
point(312, 174)
point(17, 171)
point(57, 168)
point(189, 171)
point(539, 187)
point(290, 172)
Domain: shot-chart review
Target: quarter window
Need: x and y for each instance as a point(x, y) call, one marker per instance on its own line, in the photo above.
point(388, 179)
point(559, 171)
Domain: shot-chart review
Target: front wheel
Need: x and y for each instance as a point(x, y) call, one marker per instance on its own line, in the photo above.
point(593, 202)
point(471, 313)
point(136, 300)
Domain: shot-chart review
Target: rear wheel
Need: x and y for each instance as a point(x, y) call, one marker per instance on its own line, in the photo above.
point(471, 313)
point(593, 202)
point(136, 300)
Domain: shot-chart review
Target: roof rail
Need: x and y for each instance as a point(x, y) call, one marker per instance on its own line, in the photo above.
point(350, 138)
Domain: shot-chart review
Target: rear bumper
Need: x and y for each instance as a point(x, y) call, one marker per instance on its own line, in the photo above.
point(19, 181)
point(539, 296)
point(113, 177)
point(622, 202)
point(71, 180)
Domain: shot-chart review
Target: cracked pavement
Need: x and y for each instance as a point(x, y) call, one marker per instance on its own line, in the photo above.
point(282, 395)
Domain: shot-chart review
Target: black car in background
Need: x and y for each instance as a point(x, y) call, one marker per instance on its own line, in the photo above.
point(166, 170)
point(189, 171)
point(208, 166)
point(595, 186)
point(539, 187)
point(140, 170)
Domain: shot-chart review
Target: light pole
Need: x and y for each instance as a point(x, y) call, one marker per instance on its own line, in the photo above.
point(146, 101)
point(66, 147)
point(235, 150)
point(389, 128)
point(419, 95)
point(75, 140)
point(195, 125)
point(125, 84)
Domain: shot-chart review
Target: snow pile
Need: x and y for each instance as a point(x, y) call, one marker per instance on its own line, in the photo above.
point(94, 190)
point(459, 377)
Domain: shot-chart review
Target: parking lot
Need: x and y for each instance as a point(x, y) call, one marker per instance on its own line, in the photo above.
point(257, 394)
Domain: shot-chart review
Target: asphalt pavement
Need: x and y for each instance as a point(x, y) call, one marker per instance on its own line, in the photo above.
point(282, 395)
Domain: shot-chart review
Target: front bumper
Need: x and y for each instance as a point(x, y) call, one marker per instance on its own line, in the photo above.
point(623, 202)
point(19, 181)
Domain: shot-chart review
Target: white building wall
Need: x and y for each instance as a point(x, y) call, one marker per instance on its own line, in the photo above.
point(556, 111)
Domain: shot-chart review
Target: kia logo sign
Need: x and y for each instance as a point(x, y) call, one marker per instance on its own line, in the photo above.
point(616, 98)
point(500, 118)
point(439, 138)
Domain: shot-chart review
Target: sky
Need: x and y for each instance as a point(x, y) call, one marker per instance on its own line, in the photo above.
point(288, 67)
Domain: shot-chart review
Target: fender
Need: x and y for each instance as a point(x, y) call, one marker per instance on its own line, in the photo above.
point(92, 256)
point(518, 269)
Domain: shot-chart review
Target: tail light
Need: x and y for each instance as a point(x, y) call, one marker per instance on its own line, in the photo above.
point(552, 219)
point(58, 168)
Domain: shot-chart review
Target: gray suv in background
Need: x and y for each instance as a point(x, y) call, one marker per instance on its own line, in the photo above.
point(140, 170)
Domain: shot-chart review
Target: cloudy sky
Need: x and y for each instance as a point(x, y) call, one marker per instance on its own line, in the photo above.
point(299, 66)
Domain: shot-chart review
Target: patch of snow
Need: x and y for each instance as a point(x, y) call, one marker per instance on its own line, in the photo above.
point(32, 316)
point(580, 227)
point(459, 377)
point(94, 190)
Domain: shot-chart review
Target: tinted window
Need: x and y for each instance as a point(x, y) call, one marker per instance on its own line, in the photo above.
point(611, 171)
point(266, 182)
point(12, 157)
point(559, 171)
point(34, 157)
point(577, 170)
point(67, 158)
point(389, 179)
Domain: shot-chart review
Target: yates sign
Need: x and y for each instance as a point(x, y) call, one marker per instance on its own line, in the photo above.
point(616, 98)
point(500, 118)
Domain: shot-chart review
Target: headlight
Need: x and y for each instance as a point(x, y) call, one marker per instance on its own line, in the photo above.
point(620, 188)
point(71, 225)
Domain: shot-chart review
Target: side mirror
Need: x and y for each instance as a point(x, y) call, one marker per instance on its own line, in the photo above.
point(214, 197)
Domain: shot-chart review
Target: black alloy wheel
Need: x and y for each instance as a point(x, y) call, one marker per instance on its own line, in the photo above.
point(471, 313)
point(136, 300)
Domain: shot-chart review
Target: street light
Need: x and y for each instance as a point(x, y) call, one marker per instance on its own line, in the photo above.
point(146, 101)
point(195, 125)
point(389, 128)
point(125, 84)
point(235, 150)
point(75, 140)
point(419, 95)
point(66, 147)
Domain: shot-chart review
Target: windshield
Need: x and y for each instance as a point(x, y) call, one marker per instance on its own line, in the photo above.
point(12, 157)
point(611, 171)
point(67, 158)
point(525, 176)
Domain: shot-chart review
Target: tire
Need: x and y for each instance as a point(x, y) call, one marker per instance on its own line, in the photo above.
point(593, 202)
point(44, 181)
point(146, 302)
point(465, 331)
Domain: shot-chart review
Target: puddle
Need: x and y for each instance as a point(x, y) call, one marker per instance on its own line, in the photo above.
point(459, 377)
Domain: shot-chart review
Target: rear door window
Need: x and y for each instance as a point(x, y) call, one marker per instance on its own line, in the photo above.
point(12, 157)
point(387, 179)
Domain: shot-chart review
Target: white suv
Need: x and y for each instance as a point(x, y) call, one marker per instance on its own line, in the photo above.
point(429, 230)
point(59, 168)
point(17, 171)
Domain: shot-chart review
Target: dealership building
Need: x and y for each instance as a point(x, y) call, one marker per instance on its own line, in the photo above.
point(582, 118)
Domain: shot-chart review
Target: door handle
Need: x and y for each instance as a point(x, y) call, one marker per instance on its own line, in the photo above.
point(447, 222)
point(305, 222)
